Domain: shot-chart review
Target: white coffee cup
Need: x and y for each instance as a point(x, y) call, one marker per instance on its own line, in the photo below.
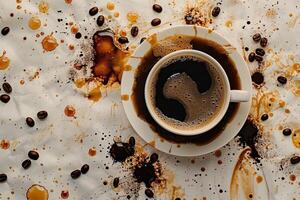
point(230, 95)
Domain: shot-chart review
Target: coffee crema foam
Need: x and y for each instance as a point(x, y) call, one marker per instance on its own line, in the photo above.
point(200, 107)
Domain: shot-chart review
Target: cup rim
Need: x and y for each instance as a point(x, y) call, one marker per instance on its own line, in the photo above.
point(160, 64)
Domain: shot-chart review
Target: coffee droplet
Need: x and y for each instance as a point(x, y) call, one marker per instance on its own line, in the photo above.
point(132, 17)
point(37, 192)
point(49, 43)
point(43, 7)
point(4, 61)
point(34, 23)
point(92, 151)
point(70, 111)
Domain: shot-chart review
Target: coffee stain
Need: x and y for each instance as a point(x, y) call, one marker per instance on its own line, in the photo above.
point(293, 21)
point(4, 144)
point(43, 7)
point(125, 97)
point(271, 13)
point(199, 13)
point(49, 43)
point(4, 61)
point(296, 138)
point(243, 177)
point(152, 39)
point(94, 94)
point(79, 138)
point(259, 179)
point(229, 23)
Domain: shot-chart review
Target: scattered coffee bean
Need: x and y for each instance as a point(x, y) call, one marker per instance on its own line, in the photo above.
point(155, 22)
point(295, 160)
point(142, 40)
point(264, 117)
point(93, 11)
point(42, 115)
point(26, 164)
point(287, 132)
point(260, 52)
point(264, 42)
point(282, 80)
point(3, 178)
point(30, 122)
point(78, 35)
point(216, 11)
point(4, 98)
point(116, 182)
point(134, 31)
point(123, 40)
point(256, 37)
point(85, 168)
point(153, 157)
point(251, 57)
point(149, 193)
point(259, 58)
point(131, 141)
point(5, 31)
point(258, 78)
point(100, 20)
point(33, 155)
point(75, 174)
point(157, 8)
point(7, 87)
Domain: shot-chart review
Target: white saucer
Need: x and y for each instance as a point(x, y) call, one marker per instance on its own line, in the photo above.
point(189, 149)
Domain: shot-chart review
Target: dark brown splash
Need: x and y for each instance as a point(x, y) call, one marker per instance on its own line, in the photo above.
point(146, 172)
point(149, 60)
point(258, 78)
point(120, 151)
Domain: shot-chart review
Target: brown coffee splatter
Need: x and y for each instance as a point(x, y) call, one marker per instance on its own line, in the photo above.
point(4, 144)
point(110, 6)
point(43, 7)
point(132, 17)
point(70, 111)
point(125, 97)
point(296, 138)
point(259, 179)
point(4, 61)
point(92, 151)
point(37, 192)
point(218, 153)
point(34, 23)
point(49, 43)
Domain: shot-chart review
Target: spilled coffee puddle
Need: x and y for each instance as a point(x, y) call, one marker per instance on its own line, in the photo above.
point(149, 60)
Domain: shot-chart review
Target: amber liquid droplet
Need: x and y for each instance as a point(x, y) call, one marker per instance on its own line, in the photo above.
point(68, 1)
point(43, 7)
point(132, 17)
point(80, 83)
point(49, 43)
point(228, 24)
point(296, 138)
point(70, 111)
point(259, 179)
point(74, 29)
point(37, 192)
point(125, 97)
point(110, 6)
point(92, 151)
point(34, 23)
point(4, 144)
point(4, 61)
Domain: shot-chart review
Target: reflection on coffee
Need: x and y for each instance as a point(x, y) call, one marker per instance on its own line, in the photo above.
point(188, 93)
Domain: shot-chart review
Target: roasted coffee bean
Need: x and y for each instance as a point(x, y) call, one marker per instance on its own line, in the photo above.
point(264, 42)
point(264, 117)
point(4, 98)
point(142, 40)
point(116, 182)
point(287, 132)
point(3, 178)
point(93, 11)
point(26, 164)
point(30, 122)
point(123, 40)
point(256, 37)
point(42, 115)
point(260, 52)
point(7, 87)
point(216, 11)
point(259, 58)
point(282, 80)
point(5, 31)
point(33, 155)
point(251, 57)
point(149, 193)
point(153, 157)
point(258, 78)
point(295, 160)
point(134, 31)
point(157, 8)
point(78, 35)
point(155, 22)
point(85, 168)
point(100, 20)
point(131, 141)
point(75, 174)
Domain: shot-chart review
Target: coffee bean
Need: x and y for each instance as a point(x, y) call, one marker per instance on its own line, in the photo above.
point(30, 122)
point(155, 22)
point(85, 168)
point(282, 80)
point(258, 78)
point(256, 37)
point(42, 115)
point(3, 178)
point(4, 98)
point(264, 42)
point(93, 11)
point(264, 117)
point(157, 8)
point(216, 11)
point(116, 182)
point(5, 31)
point(251, 57)
point(26, 164)
point(142, 40)
point(123, 40)
point(75, 174)
point(260, 52)
point(295, 160)
point(149, 193)
point(78, 35)
point(100, 20)
point(131, 141)
point(134, 31)
point(33, 155)
point(259, 58)
point(153, 157)
point(287, 132)
point(7, 87)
